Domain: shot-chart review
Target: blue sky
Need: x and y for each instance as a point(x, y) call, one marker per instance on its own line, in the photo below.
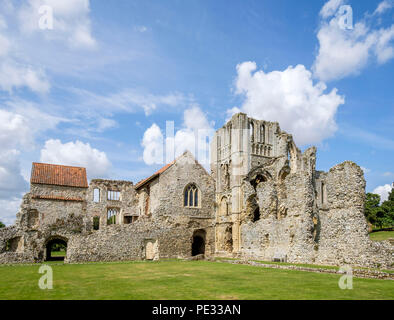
point(97, 89)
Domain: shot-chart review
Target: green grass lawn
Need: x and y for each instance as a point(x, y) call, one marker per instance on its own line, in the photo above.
point(381, 235)
point(174, 279)
point(58, 253)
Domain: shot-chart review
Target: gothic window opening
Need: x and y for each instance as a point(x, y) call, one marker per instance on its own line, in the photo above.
point(223, 207)
point(96, 223)
point(96, 195)
point(262, 138)
point(191, 198)
point(252, 131)
point(113, 195)
point(111, 216)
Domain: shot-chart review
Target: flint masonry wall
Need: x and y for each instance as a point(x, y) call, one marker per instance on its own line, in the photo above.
point(125, 206)
point(285, 228)
point(129, 242)
point(169, 226)
point(343, 228)
point(55, 203)
point(169, 190)
point(47, 212)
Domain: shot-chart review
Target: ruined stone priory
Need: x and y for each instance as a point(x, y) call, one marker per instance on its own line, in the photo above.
point(263, 199)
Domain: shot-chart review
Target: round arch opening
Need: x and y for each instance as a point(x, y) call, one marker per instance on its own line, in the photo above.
point(56, 249)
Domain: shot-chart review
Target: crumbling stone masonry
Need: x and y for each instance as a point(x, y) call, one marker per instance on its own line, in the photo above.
point(263, 200)
point(272, 204)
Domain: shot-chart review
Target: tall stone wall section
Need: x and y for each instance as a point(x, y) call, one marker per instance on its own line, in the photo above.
point(343, 234)
point(285, 228)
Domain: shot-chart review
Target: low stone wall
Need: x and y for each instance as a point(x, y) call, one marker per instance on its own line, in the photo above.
point(130, 242)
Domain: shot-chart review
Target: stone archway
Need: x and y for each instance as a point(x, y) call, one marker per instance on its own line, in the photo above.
point(198, 242)
point(56, 248)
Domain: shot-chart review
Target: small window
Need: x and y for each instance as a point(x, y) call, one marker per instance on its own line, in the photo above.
point(256, 214)
point(111, 216)
point(113, 195)
point(127, 220)
point(191, 196)
point(323, 193)
point(96, 223)
point(96, 195)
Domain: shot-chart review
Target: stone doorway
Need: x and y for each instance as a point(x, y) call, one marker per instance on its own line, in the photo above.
point(151, 250)
point(56, 249)
point(198, 244)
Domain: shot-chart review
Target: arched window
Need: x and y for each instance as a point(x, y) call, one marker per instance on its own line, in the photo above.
point(262, 137)
point(251, 128)
point(223, 207)
point(191, 197)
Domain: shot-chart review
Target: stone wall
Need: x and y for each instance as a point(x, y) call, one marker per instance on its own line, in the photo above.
point(343, 228)
point(263, 200)
point(125, 206)
point(129, 242)
point(285, 227)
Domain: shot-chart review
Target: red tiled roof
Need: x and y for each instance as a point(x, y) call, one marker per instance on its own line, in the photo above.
point(156, 174)
point(57, 198)
point(53, 174)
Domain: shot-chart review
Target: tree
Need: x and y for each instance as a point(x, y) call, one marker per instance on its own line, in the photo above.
point(372, 207)
point(388, 209)
point(391, 194)
point(2, 225)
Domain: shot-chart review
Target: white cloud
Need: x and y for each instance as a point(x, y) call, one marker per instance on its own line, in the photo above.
point(344, 52)
point(4, 45)
point(12, 184)
point(9, 209)
point(19, 125)
point(194, 136)
point(76, 154)
point(71, 21)
point(153, 145)
point(291, 97)
point(16, 75)
point(384, 50)
point(14, 130)
point(384, 6)
point(23, 121)
point(25, 48)
point(129, 100)
point(330, 7)
point(388, 174)
point(383, 191)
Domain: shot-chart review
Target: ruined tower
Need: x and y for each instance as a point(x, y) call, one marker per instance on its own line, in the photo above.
point(248, 155)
